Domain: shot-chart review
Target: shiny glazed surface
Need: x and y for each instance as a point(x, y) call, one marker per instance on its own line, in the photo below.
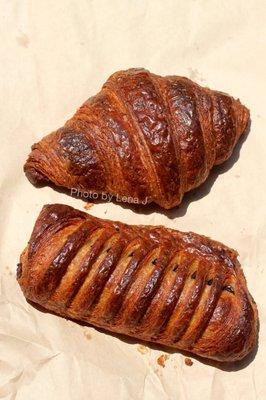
point(156, 284)
point(142, 136)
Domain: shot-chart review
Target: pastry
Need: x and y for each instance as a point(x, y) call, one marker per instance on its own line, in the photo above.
point(143, 138)
point(152, 283)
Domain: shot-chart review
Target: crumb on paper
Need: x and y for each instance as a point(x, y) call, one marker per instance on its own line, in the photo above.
point(87, 335)
point(142, 349)
point(161, 360)
point(88, 206)
point(188, 362)
point(23, 40)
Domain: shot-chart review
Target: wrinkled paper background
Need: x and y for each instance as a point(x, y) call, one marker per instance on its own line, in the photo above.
point(54, 55)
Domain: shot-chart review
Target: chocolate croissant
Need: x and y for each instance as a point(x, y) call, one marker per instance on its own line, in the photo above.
point(143, 138)
point(152, 283)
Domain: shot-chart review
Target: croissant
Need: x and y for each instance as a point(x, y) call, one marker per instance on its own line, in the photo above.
point(143, 138)
point(155, 284)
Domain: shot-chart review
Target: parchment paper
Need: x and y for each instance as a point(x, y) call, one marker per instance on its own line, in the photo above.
point(54, 55)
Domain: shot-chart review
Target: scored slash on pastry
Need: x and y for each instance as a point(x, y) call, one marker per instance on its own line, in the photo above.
point(152, 283)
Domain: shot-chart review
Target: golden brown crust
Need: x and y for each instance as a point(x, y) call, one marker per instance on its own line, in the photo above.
point(156, 284)
point(142, 136)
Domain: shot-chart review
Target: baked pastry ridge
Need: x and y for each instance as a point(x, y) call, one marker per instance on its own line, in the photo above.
point(143, 137)
point(155, 284)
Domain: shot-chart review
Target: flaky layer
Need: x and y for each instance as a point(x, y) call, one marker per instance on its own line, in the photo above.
point(143, 136)
point(178, 289)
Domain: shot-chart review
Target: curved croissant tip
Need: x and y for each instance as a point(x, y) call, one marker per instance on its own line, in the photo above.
point(242, 116)
point(34, 176)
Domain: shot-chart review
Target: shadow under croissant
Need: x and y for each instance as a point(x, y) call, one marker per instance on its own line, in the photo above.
point(224, 366)
point(189, 197)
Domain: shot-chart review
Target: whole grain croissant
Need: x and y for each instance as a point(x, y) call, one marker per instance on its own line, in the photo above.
point(156, 284)
point(144, 137)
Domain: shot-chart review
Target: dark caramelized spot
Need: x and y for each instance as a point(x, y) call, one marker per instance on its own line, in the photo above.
point(209, 282)
point(131, 254)
point(107, 251)
point(193, 276)
point(117, 228)
point(229, 289)
point(19, 270)
point(154, 262)
point(83, 158)
point(175, 268)
point(78, 149)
